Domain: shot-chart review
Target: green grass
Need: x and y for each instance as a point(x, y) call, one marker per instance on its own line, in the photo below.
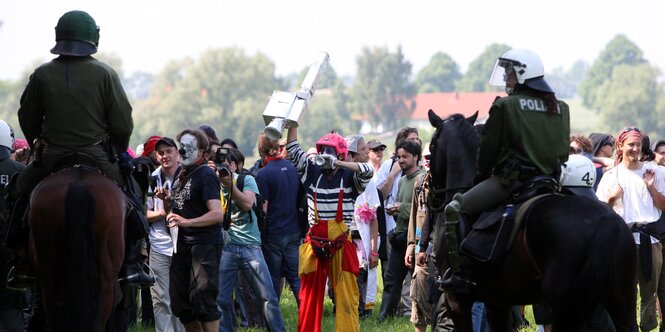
point(370, 324)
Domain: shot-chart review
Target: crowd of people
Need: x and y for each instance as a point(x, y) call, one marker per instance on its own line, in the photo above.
point(223, 241)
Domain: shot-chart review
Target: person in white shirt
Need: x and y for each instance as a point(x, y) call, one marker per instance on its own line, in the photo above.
point(635, 190)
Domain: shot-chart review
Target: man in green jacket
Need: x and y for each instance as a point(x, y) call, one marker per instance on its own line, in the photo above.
point(75, 103)
point(526, 134)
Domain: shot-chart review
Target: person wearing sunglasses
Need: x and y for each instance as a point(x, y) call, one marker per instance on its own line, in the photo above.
point(376, 149)
point(636, 191)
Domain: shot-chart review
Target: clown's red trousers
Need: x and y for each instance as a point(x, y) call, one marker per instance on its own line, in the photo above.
point(342, 270)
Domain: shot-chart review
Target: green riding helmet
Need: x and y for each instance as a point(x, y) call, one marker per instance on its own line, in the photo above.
point(76, 34)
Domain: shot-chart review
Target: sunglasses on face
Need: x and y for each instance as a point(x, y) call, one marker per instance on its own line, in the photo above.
point(378, 149)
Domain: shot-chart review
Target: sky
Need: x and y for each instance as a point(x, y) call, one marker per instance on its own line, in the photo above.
point(148, 34)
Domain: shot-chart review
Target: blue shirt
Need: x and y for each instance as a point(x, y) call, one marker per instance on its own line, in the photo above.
point(279, 184)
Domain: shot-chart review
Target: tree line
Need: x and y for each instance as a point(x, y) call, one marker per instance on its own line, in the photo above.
point(228, 89)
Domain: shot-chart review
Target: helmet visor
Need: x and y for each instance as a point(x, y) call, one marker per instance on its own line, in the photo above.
point(498, 77)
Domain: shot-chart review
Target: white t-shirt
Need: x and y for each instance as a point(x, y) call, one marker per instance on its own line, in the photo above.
point(392, 196)
point(636, 203)
point(371, 197)
point(159, 236)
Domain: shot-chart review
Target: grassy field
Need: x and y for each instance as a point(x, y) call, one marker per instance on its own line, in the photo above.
point(370, 324)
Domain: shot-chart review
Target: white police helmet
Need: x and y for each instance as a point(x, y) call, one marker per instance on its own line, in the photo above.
point(527, 66)
point(578, 175)
point(6, 135)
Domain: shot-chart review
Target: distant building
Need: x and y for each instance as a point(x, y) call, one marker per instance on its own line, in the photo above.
point(447, 103)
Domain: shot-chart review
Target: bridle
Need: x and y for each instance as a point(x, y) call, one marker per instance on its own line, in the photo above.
point(439, 194)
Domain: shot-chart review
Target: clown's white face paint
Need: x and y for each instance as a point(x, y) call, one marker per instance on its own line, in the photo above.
point(189, 143)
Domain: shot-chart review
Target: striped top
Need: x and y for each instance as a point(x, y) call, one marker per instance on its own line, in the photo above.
point(327, 188)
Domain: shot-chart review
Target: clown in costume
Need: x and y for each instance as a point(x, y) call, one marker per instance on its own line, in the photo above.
point(332, 187)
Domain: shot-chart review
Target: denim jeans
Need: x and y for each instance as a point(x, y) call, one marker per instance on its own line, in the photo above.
point(281, 254)
point(249, 259)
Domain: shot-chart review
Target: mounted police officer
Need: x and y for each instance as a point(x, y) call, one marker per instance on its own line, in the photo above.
point(526, 135)
point(75, 103)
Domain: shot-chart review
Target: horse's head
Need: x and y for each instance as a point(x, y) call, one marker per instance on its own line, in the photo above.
point(453, 150)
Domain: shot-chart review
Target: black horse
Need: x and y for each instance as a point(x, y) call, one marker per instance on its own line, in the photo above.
point(572, 253)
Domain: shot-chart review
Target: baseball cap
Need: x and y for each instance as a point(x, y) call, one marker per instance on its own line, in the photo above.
point(352, 142)
point(167, 141)
point(375, 144)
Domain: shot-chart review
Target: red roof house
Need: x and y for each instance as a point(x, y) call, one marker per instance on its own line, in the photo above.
point(447, 103)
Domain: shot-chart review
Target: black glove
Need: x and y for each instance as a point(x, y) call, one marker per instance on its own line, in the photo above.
point(125, 163)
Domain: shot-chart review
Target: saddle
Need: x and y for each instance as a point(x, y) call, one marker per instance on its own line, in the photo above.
point(490, 236)
point(71, 159)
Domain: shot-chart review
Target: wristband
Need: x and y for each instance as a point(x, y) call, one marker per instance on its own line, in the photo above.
point(375, 254)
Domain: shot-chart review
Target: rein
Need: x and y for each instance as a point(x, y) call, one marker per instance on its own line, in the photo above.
point(439, 195)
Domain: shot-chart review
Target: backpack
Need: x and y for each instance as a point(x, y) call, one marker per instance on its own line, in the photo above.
point(257, 208)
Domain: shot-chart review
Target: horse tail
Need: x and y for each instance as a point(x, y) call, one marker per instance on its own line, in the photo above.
point(79, 270)
point(606, 251)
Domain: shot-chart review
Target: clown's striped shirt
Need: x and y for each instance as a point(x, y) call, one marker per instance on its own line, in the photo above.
point(327, 188)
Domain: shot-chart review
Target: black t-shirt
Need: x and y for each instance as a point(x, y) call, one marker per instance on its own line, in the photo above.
point(190, 201)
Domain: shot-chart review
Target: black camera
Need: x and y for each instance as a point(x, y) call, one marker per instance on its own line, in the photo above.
point(219, 159)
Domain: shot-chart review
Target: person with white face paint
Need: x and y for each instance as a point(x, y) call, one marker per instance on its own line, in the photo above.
point(195, 206)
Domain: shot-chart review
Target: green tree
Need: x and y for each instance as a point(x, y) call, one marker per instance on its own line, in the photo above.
point(565, 83)
point(225, 88)
point(630, 97)
point(382, 90)
point(439, 75)
point(619, 51)
point(477, 76)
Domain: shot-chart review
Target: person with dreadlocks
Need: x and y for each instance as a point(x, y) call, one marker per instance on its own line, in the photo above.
point(635, 190)
point(526, 135)
point(332, 186)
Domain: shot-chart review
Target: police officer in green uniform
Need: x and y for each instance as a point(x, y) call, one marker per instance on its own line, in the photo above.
point(75, 103)
point(11, 301)
point(526, 134)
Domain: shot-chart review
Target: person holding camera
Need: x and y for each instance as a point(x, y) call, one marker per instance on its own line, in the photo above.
point(196, 214)
point(243, 252)
point(332, 186)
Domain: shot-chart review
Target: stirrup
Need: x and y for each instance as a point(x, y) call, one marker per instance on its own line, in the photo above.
point(19, 280)
point(455, 284)
point(143, 277)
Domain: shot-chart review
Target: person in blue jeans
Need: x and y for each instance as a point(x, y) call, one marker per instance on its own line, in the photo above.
point(279, 184)
point(243, 250)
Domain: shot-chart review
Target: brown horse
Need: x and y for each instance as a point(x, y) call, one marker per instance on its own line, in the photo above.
point(572, 253)
point(77, 246)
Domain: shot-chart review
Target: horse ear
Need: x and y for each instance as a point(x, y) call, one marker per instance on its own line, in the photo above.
point(472, 119)
point(434, 119)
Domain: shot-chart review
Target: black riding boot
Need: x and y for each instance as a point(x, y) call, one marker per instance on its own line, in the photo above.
point(135, 272)
point(456, 280)
point(21, 275)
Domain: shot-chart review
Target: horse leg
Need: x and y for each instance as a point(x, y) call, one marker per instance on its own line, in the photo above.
point(499, 318)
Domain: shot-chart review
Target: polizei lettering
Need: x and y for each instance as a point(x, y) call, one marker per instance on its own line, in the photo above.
point(532, 105)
